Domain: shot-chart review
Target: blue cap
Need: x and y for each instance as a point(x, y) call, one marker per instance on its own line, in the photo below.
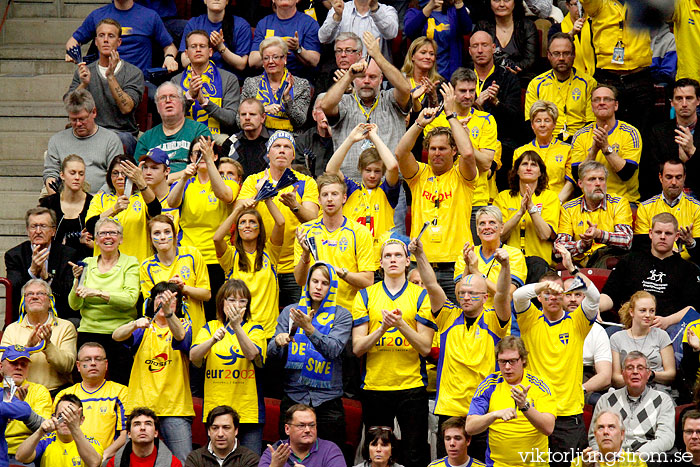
point(158, 156)
point(15, 352)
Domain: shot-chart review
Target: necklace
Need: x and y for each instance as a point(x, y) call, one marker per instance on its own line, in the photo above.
point(634, 340)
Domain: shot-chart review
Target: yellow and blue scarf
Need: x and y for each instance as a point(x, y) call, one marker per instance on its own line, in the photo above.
point(212, 89)
point(279, 120)
point(316, 371)
point(52, 308)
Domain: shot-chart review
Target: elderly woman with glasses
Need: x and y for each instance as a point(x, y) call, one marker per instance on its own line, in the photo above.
point(286, 98)
point(105, 291)
point(131, 210)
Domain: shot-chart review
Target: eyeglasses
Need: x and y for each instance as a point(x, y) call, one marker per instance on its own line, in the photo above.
point(272, 58)
point(42, 227)
point(36, 294)
point(198, 46)
point(108, 233)
point(346, 51)
point(117, 174)
point(237, 301)
point(511, 362)
point(303, 426)
point(637, 368)
point(691, 432)
point(167, 97)
point(78, 119)
point(379, 429)
point(93, 359)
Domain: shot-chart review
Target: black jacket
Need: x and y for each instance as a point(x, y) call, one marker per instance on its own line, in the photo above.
point(240, 457)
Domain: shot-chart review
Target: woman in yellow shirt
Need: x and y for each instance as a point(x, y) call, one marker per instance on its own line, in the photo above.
point(253, 258)
point(184, 266)
point(234, 348)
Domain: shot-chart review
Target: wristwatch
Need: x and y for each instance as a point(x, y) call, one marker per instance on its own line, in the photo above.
point(609, 150)
point(295, 209)
point(526, 408)
point(344, 272)
point(298, 51)
point(452, 115)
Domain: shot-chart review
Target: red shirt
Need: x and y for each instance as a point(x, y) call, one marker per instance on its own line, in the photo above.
point(148, 461)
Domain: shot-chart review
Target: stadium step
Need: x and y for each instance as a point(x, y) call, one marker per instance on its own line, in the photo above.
point(35, 88)
point(43, 9)
point(39, 30)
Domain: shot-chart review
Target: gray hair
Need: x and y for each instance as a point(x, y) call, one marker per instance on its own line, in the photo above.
point(180, 92)
point(346, 36)
point(490, 210)
point(590, 166)
point(42, 282)
point(614, 413)
point(635, 355)
point(38, 211)
point(78, 100)
point(109, 220)
point(274, 41)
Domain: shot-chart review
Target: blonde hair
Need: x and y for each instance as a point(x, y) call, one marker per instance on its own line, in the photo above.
point(624, 311)
point(407, 67)
point(272, 41)
point(544, 106)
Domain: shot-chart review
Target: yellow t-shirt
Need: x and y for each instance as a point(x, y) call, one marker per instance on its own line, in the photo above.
point(393, 364)
point(133, 219)
point(626, 140)
point(524, 236)
point(349, 246)
point(264, 305)
point(556, 352)
point(606, 17)
point(572, 98)
point(374, 209)
point(39, 400)
point(492, 268)
point(573, 218)
point(512, 443)
point(165, 208)
point(467, 356)
point(52, 452)
point(583, 44)
point(201, 213)
point(161, 366)
point(189, 265)
point(557, 158)
point(103, 410)
point(230, 378)
point(306, 190)
point(686, 212)
point(444, 462)
point(447, 198)
point(483, 133)
point(685, 18)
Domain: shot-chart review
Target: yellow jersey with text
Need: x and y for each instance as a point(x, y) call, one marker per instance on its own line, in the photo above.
point(611, 30)
point(583, 44)
point(52, 452)
point(557, 158)
point(393, 364)
point(39, 400)
point(574, 217)
point(524, 235)
point(133, 220)
point(625, 139)
point(103, 409)
point(467, 356)
point(571, 96)
point(230, 378)
point(446, 198)
point(483, 133)
point(201, 213)
point(349, 246)
point(189, 265)
point(374, 209)
point(686, 212)
point(264, 292)
point(492, 268)
point(556, 352)
point(444, 462)
point(306, 191)
point(686, 17)
point(161, 366)
point(515, 443)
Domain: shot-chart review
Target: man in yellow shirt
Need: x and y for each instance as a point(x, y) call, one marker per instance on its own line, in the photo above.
point(615, 144)
point(483, 135)
point(60, 442)
point(623, 57)
point(516, 408)
point(672, 199)
point(555, 338)
point(569, 88)
point(468, 333)
point(594, 221)
point(442, 189)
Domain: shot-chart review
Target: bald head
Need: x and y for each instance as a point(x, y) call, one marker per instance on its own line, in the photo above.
point(471, 294)
point(482, 48)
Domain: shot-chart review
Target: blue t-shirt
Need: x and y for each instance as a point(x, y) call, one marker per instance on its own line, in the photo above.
point(301, 23)
point(242, 37)
point(140, 26)
point(13, 410)
point(164, 8)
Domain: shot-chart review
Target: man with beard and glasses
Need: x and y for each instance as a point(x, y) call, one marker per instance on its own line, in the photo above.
point(595, 221)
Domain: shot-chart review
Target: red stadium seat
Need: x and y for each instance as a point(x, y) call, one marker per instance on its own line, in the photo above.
point(143, 119)
point(353, 422)
point(272, 419)
point(587, 415)
point(199, 432)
